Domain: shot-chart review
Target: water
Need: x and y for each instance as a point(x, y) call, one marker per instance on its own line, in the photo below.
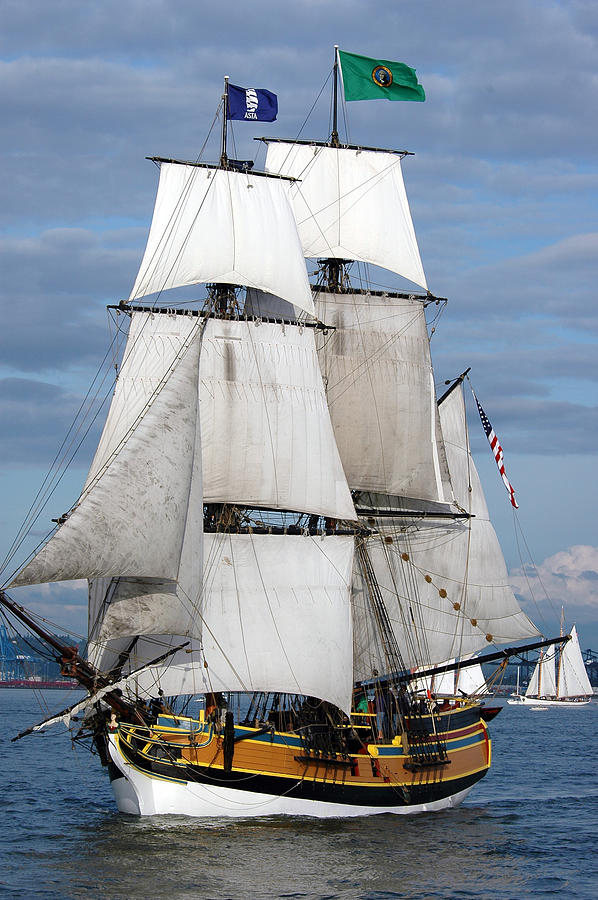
point(528, 830)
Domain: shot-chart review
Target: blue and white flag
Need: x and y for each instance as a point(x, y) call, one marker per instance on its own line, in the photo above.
point(251, 104)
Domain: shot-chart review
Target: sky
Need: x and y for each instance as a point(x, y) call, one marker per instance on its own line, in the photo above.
point(503, 189)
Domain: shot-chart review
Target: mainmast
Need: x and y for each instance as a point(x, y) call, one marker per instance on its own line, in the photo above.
point(334, 141)
point(223, 155)
point(333, 272)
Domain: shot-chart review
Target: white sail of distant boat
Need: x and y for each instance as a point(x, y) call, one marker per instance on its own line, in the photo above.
point(558, 679)
point(543, 680)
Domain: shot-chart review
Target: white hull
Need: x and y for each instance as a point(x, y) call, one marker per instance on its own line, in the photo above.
point(520, 700)
point(138, 794)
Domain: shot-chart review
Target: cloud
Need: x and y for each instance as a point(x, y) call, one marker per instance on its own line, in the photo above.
point(54, 289)
point(63, 606)
point(503, 190)
point(568, 578)
point(32, 416)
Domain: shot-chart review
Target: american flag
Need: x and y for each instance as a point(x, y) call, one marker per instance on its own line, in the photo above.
point(496, 449)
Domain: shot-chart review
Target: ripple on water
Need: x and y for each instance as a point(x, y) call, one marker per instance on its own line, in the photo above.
point(526, 831)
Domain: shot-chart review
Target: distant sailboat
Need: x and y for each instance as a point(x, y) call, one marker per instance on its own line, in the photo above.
point(568, 685)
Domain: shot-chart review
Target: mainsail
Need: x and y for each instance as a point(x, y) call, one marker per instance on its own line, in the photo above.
point(573, 678)
point(543, 680)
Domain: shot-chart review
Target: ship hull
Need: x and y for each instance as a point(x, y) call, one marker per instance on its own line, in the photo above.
point(521, 700)
point(168, 773)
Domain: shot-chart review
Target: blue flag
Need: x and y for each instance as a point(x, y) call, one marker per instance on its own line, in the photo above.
point(251, 104)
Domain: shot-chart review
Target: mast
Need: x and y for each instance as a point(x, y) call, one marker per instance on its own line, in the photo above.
point(334, 141)
point(223, 156)
point(558, 674)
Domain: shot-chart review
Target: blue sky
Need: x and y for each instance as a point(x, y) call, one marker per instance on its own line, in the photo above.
point(503, 190)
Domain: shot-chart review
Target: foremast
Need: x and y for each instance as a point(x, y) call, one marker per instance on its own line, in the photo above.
point(259, 545)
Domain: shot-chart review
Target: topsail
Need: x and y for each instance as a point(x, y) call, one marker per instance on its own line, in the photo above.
point(350, 204)
point(224, 227)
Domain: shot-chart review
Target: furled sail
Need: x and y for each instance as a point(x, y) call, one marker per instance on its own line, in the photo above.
point(377, 369)
point(443, 582)
point(266, 433)
point(350, 204)
point(573, 676)
point(145, 462)
point(223, 226)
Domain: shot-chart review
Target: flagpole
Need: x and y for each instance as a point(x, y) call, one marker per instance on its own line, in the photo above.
point(334, 141)
point(223, 156)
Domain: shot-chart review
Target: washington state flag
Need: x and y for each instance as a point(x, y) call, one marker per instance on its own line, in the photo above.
point(374, 79)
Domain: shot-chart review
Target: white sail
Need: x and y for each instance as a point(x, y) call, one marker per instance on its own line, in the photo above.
point(131, 606)
point(487, 596)
point(350, 204)
point(443, 582)
point(470, 680)
point(144, 465)
point(223, 226)
point(573, 676)
point(378, 374)
point(266, 432)
point(441, 684)
point(276, 614)
point(276, 617)
point(543, 680)
point(124, 608)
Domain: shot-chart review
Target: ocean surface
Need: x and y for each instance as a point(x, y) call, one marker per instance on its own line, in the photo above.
point(529, 829)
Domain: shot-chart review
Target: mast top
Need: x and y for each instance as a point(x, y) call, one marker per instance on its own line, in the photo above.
point(455, 384)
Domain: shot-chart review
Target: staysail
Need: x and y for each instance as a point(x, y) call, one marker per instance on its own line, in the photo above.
point(146, 462)
point(444, 581)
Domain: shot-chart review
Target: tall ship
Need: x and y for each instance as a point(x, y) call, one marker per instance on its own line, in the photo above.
point(282, 528)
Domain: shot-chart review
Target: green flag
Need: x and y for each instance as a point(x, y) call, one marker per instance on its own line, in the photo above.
point(372, 79)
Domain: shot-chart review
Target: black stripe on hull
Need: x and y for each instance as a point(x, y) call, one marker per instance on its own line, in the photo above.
point(426, 791)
